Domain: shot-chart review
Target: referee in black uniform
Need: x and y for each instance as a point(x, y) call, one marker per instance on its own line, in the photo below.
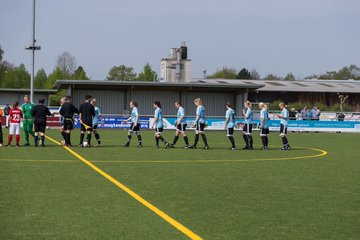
point(67, 111)
point(87, 112)
point(40, 113)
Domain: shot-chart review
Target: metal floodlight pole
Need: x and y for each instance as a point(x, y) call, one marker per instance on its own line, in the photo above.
point(33, 48)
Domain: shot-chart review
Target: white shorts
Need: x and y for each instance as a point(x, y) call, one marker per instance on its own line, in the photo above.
point(14, 128)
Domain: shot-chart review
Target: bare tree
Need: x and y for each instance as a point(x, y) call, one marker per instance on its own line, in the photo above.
point(66, 63)
point(342, 100)
point(255, 74)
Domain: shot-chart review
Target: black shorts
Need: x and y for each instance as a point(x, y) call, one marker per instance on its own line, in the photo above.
point(134, 128)
point(94, 126)
point(40, 126)
point(68, 124)
point(159, 130)
point(84, 129)
point(264, 131)
point(283, 130)
point(247, 129)
point(229, 131)
point(200, 127)
point(181, 127)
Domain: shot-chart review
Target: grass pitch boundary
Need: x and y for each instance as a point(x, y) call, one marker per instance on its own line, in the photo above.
point(137, 197)
point(321, 153)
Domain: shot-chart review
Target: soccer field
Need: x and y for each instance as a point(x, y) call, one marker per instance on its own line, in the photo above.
point(310, 192)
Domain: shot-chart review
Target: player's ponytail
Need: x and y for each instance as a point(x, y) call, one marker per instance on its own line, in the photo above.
point(16, 104)
point(198, 102)
point(158, 104)
point(248, 104)
point(178, 103)
point(134, 103)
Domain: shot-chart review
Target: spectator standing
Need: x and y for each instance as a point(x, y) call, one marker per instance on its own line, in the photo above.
point(304, 113)
point(340, 116)
point(315, 114)
point(292, 114)
point(298, 115)
point(6, 114)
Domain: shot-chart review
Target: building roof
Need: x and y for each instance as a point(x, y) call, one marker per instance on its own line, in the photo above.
point(330, 86)
point(193, 85)
point(24, 90)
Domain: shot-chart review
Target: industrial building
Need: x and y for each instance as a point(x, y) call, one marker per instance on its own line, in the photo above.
point(177, 67)
point(113, 97)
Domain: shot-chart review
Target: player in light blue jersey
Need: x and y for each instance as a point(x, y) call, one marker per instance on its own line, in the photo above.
point(264, 125)
point(230, 124)
point(199, 123)
point(180, 125)
point(284, 118)
point(97, 119)
point(135, 125)
point(158, 125)
point(247, 129)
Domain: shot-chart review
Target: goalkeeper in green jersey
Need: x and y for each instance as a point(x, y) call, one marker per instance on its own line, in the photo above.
point(27, 119)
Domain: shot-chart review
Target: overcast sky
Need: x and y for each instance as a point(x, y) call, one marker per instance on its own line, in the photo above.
point(272, 36)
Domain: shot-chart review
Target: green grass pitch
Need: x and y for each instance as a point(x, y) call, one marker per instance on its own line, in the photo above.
point(47, 193)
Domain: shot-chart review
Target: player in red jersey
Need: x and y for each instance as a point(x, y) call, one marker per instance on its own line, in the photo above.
point(14, 123)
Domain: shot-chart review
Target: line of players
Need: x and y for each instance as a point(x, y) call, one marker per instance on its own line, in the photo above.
point(200, 123)
point(90, 118)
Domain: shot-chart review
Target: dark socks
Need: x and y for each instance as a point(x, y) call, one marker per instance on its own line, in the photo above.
point(129, 138)
point(246, 140)
point(157, 140)
point(186, 140)
point(251, 141)
point(82, 135)
point(63, 135)
point(232, 140)
point(196, 139)
point(88, 138)
point(139, 138)
point(42, 140)
point(176, 138)
point(162, 139)
point(263, 140)
point(36, 140)
point(204, 139)
point(67, 138)
point(97, 136)
point(285, 141)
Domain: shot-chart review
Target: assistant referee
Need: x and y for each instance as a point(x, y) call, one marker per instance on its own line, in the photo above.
point(86, 114)
point(40, 113)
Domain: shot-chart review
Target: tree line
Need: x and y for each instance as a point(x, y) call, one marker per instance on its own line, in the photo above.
point(12, 76)
point(345, 73)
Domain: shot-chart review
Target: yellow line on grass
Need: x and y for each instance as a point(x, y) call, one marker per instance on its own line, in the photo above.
point(321, 154)
point(38, 160)
point(137, 197)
